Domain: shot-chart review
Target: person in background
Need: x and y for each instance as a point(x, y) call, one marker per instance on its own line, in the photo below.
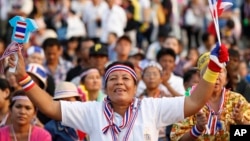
point(152, 77)
point(136, 57)
point(22, 112)
point(166, 58)
point(243, 71)
point(98, 57)
point(175, 44)
point(212, 121)
point(190, 59)
point(190, 78)
point(68, 92)
point(35, 54)
point(90, 86)
point(112, 39)
point(112, 15)
point(208, 41)
point(123, 48)
point(235, 82)
point(55, 65)
point(39, 75)
point(70, 50)
point(5, 93)
point(83, 58)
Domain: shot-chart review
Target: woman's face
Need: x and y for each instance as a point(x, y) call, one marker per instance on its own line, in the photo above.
point(93, 81)
point(152, 78)
point(22, 112)
point(221, 81)
point(121, 87)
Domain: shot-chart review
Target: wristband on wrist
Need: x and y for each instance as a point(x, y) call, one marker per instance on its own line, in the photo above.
point(210, 76)
point(27, 83)
point(194, 132)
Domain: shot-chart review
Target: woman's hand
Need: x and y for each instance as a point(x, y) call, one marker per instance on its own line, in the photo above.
point(20, 65)
point(201, 121)
point(237, 114)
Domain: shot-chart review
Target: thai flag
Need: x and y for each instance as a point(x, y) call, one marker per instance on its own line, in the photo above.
point(20, 30)
point(217, 7)
point(220, 6)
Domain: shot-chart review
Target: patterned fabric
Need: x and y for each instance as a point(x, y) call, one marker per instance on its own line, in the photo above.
point(225, 119)
point(61, 70)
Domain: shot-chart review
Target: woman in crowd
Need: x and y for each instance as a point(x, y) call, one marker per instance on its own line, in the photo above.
point(152, 77)
point(22, 112)
point(91, 85)
point(213, 121)
point(4, 102)
point(65, 91)
point(121, 116)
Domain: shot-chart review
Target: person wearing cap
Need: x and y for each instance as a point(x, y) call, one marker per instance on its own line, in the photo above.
point(212, 122)
point(66, 91)
point(91, 85)
point(98, 57)
point(40, 76)
point(122, 116)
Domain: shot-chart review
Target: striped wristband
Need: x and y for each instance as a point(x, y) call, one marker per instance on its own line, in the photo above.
point(194, 132)
point(27, 83)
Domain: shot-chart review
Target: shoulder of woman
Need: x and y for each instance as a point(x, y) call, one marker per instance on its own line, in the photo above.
point(4, 129)
point(38, 133)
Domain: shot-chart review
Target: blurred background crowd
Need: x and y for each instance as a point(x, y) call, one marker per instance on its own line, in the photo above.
point(75, 36)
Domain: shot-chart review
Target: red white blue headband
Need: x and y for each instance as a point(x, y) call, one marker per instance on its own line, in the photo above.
point(120, 68)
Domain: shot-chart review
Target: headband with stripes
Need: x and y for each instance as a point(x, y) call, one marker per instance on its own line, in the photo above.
point(120, 68)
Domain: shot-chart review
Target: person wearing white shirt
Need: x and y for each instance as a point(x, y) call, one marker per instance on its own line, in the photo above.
point(114, 19)
point(120, 116)
point(92, 14)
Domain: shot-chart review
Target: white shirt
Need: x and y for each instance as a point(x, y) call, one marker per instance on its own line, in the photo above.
point(174, 81)
point(113, 20)
point(90, 15)
point(153, 49)
point(153, 114)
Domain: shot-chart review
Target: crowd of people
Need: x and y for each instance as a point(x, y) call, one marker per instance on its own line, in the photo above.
point(125, 70)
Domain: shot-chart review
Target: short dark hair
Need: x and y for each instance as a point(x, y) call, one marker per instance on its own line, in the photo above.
point(188, 74)
point(4, 84)
point(124, 37)
point(165, 51)
point(49, 42)
point(233, 53)
point(124, 63)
